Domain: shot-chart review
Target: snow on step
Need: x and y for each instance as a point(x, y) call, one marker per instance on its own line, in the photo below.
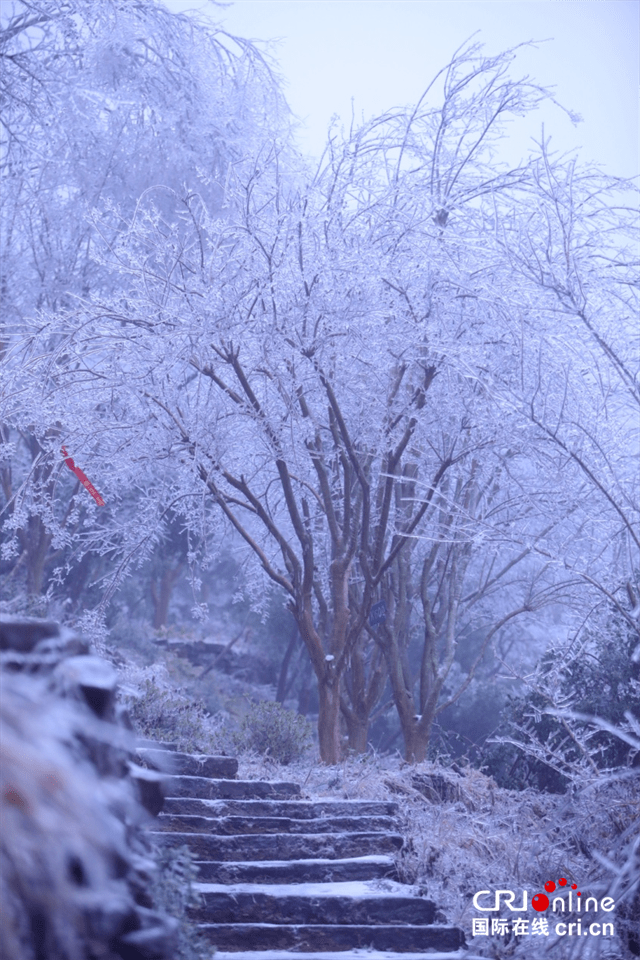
point(331, 894)
point(221, 908)
point(203, 788)
point(187, 764)
point(345, 955)
point(295, 808)
point(356, 903)
point(342, 888)
point(288, 846)
point(192, 823)
point(315, 870)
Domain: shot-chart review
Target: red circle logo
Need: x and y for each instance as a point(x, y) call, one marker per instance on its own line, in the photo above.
point(540, 902)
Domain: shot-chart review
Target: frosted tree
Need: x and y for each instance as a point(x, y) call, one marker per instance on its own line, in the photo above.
point(306, 364)
point(563, 374)
point(575, 252)
point(434, 182)
point(100, 102)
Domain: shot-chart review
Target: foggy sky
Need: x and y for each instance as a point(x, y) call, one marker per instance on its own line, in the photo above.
point(370, 55)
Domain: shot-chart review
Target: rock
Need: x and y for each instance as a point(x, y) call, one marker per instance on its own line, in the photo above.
point(22, 634)
point(28, 645)
point(149, 786)
point(93, 678)
point(75, 868)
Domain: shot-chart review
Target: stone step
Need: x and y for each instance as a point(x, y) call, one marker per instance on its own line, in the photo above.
point(203, 788)
point(227, 826)
point(317, 870)
point(345, 955)
point(187, 764)
point(295, 809)
point(319, 903)
point(331, 937)
point(288, 846)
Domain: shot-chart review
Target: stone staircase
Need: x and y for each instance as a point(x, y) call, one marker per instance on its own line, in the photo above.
point(283, 878)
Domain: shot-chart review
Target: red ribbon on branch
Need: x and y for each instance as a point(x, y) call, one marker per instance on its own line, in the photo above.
point(82, 477)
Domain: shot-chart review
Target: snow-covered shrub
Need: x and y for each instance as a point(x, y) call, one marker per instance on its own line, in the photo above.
point(578, 716)
point(159, 712)
point(280, 734)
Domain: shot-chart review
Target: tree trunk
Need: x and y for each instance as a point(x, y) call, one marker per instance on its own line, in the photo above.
point(161, 594)
point(283, 686)
point(364, 681)
point(305, 688)
point(360, 695)
point(328, 720)
point(402, 696)
point(417, 735)
point(38, 541)
point(358, 731)
point(416, 729)
point(328, 691)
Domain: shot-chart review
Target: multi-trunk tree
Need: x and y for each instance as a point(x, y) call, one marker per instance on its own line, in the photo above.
point(325, 364)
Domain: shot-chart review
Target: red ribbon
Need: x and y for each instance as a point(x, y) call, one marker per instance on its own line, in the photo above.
point(82, 478)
